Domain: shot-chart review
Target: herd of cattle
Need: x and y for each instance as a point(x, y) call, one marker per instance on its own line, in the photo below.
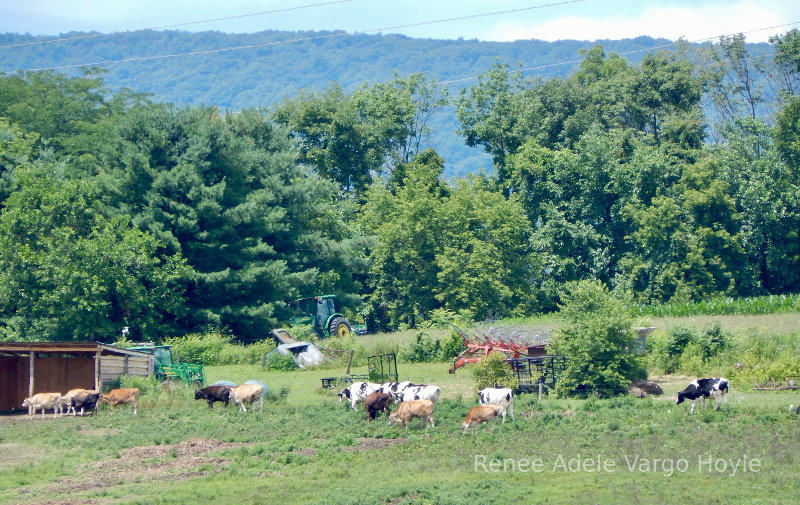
point(414, 401)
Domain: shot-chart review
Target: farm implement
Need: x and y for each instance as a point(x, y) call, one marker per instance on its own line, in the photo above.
point(479, 345)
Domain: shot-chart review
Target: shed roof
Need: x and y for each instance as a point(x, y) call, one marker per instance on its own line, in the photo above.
point(68, 347)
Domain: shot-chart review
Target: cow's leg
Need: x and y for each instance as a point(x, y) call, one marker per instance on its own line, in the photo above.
point(511, 410)
point(691, 411)
point(133, 406)
point(261, 404)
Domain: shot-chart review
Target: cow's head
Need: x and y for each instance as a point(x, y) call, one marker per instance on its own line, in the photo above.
point(680, 398)
point(344, 393)
point(394, 418)
point(26, 402)
point(198, 394)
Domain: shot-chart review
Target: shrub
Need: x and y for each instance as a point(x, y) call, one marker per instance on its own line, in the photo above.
point(203, 348)
point(494, 371)
point(280, 363)
point(423, 350)
point(596, 339)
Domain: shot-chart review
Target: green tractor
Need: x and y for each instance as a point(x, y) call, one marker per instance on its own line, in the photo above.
point(320, 313)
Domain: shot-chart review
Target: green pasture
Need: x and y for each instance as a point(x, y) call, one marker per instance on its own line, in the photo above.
point(308, 448)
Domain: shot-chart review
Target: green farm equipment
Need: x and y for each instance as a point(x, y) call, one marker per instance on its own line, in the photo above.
point(165, 368)
point(320, 313)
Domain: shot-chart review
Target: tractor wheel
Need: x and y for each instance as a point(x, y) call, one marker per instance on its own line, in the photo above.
point(339, 327)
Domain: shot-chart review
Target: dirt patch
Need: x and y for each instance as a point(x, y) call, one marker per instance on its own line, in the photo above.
point(368, 444)
point(19, 454)
point(155, 463)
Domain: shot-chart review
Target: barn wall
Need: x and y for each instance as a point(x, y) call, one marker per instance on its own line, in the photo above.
point(59, 374)
point(112, 367)
point(13, 381)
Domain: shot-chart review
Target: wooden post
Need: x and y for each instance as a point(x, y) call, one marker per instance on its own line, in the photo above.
point(97, 368)
point(30, 374)
point(540, 392)
point(349, 361)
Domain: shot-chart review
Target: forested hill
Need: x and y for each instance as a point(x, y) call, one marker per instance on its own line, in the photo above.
point(276, 64)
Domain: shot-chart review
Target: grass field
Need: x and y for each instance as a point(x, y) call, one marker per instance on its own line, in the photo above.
point(307, 447)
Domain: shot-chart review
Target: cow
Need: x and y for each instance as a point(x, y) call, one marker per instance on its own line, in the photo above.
point(357, 391)
point(86, 399)
point(498, 396)
point(121, 396)
point(409, 410)
point(419, 392)
point(66, 400)
point(377, 402)
point(395, 389)
point(248, 393)
point(213, 394)
point(481, 414)
point(701, 389)
point(43, 401)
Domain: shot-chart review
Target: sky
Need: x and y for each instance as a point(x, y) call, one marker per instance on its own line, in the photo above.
point(486, 20)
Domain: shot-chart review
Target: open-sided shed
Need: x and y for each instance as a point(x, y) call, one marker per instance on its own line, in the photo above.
point(27, 368)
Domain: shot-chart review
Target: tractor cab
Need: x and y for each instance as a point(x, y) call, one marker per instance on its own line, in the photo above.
point(320, 313)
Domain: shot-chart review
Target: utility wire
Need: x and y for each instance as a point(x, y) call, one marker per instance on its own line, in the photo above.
point(265, 44)
point(663, 46)
point(93, 35)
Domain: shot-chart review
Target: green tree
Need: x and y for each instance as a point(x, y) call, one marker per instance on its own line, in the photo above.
point(68, 273)
point(407, 225)
point(485, 264)
point(596, 339)
point(226, 192)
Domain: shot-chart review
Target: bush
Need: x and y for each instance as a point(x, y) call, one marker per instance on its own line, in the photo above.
point(494, 371)
point(596, 338)
point(280, 363)
point(423, 350)
point(214, 348)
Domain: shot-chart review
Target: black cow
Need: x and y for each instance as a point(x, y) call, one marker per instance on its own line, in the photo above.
point(85, 400)
point(705, 388)
point(214, 394)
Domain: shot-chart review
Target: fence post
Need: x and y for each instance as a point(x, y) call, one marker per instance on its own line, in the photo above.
point(349, 361)
point(540, 392)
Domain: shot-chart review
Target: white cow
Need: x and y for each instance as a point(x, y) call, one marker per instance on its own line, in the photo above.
point(501, 396)
point(43, 401)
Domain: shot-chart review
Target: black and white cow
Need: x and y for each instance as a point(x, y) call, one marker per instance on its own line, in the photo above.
point(395, 389)
point(356, 392)
point(701, 389)
point(419, 392)
point(501, 396)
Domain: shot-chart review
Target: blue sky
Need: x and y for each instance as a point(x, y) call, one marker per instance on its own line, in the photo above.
point(538, 19)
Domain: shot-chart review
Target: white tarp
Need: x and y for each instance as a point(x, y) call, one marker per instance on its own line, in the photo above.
point(304, 353)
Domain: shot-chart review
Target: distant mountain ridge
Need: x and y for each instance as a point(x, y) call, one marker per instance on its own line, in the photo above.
point(236, 71)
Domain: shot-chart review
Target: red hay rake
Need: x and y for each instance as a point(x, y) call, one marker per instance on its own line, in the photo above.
point(480, 345)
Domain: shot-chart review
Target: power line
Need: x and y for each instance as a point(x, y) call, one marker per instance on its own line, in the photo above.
point(188, 23)
point(265, 44)
point(572, 62)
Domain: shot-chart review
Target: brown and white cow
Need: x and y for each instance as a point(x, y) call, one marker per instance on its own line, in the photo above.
point(377, 402)
point(498, 396)
point(407, 411)
point(43, 401)
point(248, 393)
point(121, 396)
point(481, 414)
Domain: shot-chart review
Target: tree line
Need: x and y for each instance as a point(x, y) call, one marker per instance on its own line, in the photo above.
point(671, 180)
